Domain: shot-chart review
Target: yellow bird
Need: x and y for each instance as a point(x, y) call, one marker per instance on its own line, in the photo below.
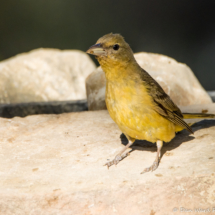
point(135, 101)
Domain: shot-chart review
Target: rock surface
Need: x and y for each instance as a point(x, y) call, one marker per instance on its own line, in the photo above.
point(53, 164)
point(44, 75)
point(95, 87)
point(175, 78)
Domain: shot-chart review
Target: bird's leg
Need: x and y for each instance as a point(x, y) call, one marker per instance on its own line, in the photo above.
point(154, 166)
point(120, 155)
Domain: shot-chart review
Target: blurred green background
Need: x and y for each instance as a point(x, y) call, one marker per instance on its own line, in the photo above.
point(181, 29)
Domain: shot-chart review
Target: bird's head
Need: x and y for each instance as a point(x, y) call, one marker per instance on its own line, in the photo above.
point(111, 50)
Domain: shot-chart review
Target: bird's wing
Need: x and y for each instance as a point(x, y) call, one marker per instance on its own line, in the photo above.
point(163, 103)
point(165, 107)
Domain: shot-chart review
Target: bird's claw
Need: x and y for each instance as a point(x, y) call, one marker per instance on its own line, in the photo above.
point(116, 160)
point(152, 168)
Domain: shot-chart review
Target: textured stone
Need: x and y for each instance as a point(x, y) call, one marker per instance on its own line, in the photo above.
point(95, 87)
point(175, 78)
point(53, 164)
point(45, 75)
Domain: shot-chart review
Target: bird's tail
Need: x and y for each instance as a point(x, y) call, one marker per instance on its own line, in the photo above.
point(192, 118)
point(198, 116)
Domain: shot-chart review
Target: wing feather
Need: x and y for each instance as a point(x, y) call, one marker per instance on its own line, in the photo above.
point(163, 103)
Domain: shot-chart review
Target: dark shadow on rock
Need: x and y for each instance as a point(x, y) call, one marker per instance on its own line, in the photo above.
point(33, 108)
point(180, 138)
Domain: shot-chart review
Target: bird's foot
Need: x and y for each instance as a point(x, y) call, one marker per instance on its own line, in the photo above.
point(116, 160)
point(153, 167)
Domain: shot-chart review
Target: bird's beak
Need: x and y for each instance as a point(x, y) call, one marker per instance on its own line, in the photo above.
point(96, 50)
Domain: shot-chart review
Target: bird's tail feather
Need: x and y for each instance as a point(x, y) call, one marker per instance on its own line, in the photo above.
point(198, 116)
point(192, 118)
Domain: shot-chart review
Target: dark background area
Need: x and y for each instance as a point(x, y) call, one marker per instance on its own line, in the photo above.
point(181, 29)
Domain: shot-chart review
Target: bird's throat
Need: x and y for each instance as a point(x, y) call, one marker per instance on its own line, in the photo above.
point(116, 70)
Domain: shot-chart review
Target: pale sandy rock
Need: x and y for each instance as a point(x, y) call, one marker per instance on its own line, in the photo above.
point(45, 75)
point(95, 87)
point(53, 164)
point(177, 80)
point(203, 108)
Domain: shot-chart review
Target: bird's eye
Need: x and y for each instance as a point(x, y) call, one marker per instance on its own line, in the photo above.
point(116, 47)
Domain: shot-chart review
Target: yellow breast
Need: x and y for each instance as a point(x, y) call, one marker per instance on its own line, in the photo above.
point(131, 107)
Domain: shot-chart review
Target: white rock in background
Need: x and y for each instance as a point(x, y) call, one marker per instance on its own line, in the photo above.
point(95, 87)
point(175, 78)
point(45, 75)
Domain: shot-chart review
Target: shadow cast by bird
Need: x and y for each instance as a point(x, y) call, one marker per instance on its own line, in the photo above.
point(180, 138)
